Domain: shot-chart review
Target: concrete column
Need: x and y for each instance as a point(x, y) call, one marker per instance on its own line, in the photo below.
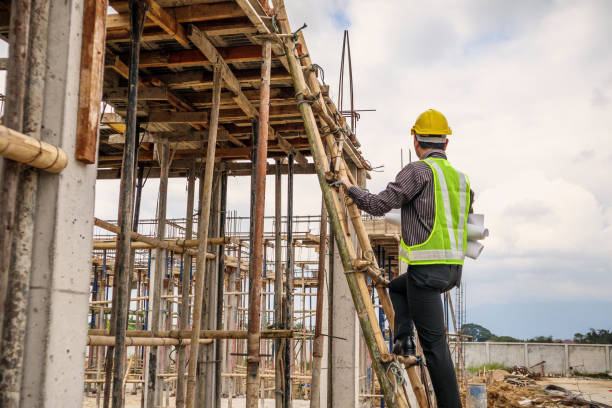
point(488, 351)
point(526, 352)
point(345, 353)
point(608, 363)
point(56, 331)
point(325, 329)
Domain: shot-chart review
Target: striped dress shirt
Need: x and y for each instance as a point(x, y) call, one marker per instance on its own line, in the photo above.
point(413, 192)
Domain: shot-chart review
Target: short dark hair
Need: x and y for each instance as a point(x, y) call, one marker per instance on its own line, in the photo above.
point(430, 145)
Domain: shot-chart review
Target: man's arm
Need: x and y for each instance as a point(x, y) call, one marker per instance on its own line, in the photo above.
point(407, 184)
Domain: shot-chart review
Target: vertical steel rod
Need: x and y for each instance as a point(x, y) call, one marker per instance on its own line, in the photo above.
point(203, 223)
point(253, 341)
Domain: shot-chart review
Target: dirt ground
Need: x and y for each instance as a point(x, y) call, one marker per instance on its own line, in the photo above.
point(133, 401)
point(591, 389)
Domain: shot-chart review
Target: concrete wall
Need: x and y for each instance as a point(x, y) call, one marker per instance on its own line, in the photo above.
point(560, 358)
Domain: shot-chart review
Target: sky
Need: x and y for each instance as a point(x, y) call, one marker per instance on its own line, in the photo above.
point(527, 89)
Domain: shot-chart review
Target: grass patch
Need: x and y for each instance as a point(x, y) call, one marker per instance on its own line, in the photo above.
point(488, 366)
point(600, 376)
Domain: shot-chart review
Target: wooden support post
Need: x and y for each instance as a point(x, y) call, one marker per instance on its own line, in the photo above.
point(317, 353)
point(185, 287)
point(92, 72)
point(155, 291)
point(122, 264)
point(253, 359)
point(203, 221)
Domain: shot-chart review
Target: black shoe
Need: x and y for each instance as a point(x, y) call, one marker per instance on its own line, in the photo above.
point(404, 346)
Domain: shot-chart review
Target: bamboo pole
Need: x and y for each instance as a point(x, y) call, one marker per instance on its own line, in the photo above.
point(204, 334)
point(203, 222)
point(317, 354)
point(141, 341)
point(29, 150)
point(356, 281)
point(176, 245)
point(186, 283)
point(153, 242)
point(253, 359)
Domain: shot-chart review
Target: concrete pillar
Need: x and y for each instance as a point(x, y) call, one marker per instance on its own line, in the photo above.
point(56, 331)
point(488, 351)
point(325, 329)
point(344, 353)
point(608, 363)
point(526, 352)
point(567, 362)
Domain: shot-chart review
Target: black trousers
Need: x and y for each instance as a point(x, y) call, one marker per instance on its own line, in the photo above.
point(416, 298)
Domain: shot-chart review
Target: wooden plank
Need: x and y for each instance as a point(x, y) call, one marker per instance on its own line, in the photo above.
point(203, 78)
point(144, 94)
point(167, 22)
point(177, 117)
point(182, 14)
point(185, 58)
point(92, 71)
point(114, 62)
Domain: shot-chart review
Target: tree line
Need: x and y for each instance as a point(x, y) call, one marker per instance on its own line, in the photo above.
point(480, 333)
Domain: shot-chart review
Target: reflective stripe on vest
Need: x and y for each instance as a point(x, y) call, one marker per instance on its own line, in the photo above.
point(447, 240)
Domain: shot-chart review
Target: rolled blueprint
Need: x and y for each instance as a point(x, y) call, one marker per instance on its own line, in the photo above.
point(474, 249)
point(394, 217)
point(476, 232)
point(476, 219)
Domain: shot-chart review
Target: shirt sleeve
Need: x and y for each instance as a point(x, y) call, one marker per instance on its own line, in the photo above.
point(408, 183)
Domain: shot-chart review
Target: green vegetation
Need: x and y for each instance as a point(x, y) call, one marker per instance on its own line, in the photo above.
point(488, 366)
point(594, 337)
point(480, 333)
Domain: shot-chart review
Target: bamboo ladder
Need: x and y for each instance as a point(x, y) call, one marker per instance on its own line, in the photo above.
point(390, 370)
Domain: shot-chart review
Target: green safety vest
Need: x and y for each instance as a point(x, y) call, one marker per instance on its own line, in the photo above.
point(448, 239)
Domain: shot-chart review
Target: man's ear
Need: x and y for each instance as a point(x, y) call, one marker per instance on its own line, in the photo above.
point(446, 144)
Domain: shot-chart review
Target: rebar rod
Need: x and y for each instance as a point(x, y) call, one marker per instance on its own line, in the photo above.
point(203, 224)
point(126, 202)
point(253, 358)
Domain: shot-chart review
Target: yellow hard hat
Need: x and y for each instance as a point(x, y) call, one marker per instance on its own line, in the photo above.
point(431, 122)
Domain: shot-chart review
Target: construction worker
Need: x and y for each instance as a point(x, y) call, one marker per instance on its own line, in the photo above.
point(434, 203)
